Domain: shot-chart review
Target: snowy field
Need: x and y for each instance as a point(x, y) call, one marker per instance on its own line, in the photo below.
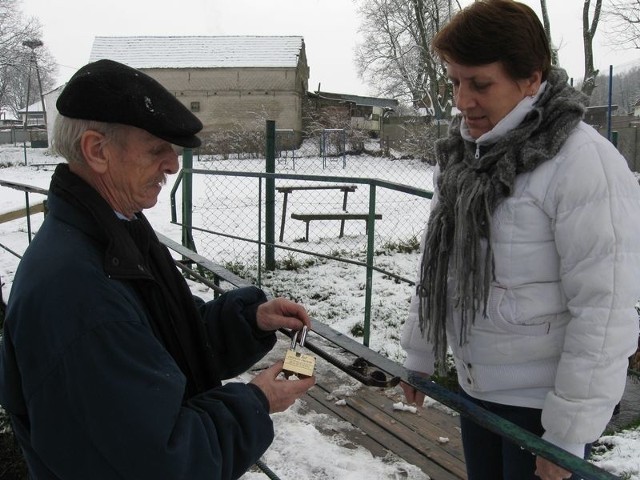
point(303, 447)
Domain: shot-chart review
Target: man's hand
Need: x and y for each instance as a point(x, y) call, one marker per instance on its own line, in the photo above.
point(280, 392)
point(279, 313)
point(547, 470)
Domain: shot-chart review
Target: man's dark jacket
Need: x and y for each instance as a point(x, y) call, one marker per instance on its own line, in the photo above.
point(90, 385)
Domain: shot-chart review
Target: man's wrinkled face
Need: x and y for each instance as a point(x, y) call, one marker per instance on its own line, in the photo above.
point(138, 167)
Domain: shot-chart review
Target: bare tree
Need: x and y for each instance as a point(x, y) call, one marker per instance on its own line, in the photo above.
point(17, 68)
point(395, 54)
point(623, 18)
point(547, 29)
point(625, 91)
point(588, 33)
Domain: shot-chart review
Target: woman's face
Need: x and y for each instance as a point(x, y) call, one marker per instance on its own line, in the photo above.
point(486, 93)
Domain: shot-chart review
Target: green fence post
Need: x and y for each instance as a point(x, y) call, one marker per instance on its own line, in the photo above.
point(28, 216)
point(371, 221)
point(270, 198)
point(187, 199)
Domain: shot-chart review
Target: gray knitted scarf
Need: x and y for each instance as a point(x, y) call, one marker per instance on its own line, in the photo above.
point(469, 190)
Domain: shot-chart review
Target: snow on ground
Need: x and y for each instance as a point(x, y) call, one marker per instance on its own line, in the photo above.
point(307, 445)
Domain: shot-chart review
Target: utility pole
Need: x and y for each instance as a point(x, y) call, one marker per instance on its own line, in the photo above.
point(33, 44)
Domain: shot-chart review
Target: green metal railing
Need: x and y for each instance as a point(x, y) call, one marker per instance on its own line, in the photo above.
point(496, 424)
point(27, 189)
point(489, 420)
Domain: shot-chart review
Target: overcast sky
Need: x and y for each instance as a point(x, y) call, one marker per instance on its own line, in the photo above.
point(329, 28)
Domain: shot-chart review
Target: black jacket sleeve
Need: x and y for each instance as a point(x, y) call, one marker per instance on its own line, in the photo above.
point(113, 407)
point(233, 333)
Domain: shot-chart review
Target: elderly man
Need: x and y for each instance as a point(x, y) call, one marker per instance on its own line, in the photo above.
point(108, 367)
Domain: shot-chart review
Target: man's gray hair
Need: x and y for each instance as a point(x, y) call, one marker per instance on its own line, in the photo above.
point(67, 133)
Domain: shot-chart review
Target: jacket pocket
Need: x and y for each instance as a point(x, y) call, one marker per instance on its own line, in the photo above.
point(504, 316)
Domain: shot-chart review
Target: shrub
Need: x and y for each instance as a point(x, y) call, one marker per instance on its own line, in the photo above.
point(12, 464)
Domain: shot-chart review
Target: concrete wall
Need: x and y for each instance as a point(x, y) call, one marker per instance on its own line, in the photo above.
point(628, 145)
point(397, 129)
point(17, 136)
point(231, 96)
point(50, 99)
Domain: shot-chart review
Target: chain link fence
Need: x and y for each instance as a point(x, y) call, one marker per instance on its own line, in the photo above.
point(326, 248)
point(322, 216)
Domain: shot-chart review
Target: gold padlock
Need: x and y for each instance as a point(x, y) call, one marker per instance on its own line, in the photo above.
point(296, 363)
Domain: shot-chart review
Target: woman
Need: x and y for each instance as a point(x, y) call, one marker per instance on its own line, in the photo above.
point(530, 258)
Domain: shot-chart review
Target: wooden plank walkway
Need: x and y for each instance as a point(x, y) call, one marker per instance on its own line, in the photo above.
point(428, 439)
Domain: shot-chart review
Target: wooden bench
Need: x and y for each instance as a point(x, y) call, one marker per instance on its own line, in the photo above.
point(308, 217)
point(22, 212)
point(287, 189)
point(43, 165)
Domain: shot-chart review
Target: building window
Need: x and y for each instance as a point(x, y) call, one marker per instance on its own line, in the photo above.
point(195, 106)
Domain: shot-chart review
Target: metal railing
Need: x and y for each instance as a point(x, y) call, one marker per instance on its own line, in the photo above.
point(26, 212)
point(506, 429)
point(489, 420)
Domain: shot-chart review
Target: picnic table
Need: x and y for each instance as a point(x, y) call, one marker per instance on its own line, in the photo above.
point(287, 189)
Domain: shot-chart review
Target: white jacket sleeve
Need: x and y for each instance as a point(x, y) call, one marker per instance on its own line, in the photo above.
point(596, 201)
point(420, 356)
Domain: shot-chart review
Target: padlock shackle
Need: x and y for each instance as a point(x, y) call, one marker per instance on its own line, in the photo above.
point(294, 338)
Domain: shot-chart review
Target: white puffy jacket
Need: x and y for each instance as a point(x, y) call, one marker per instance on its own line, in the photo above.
point(561, 322)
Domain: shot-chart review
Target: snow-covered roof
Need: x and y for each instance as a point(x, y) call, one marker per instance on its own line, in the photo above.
point(200, 51)
point(35, 107)
point(358, 99)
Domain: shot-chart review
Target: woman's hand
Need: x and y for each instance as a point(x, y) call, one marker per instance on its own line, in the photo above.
point(547, 470)
point(411, 395)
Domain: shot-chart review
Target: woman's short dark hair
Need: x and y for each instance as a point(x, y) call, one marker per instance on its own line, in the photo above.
point(489, 31)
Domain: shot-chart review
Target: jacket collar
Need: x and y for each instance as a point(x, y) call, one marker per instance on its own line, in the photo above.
point(92, 214)
point(510, 121)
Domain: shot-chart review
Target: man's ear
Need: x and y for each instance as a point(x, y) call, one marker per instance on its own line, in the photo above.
point(92, 144)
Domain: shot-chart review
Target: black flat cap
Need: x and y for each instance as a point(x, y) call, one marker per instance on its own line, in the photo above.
point(108, 91)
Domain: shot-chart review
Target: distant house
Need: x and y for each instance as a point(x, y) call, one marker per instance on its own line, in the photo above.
point(50, 99)
point(10, 127)
point(28, 126)
point(366, 113)
point(598, 118)
point(34, 114)
point(8, 119)
point(226, 81)
point(597, 115)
